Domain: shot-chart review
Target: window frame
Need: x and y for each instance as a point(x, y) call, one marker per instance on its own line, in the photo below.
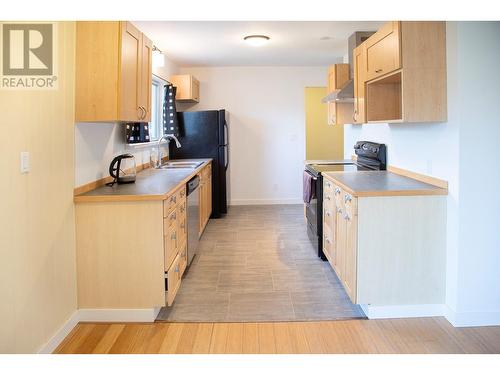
point(157, 118)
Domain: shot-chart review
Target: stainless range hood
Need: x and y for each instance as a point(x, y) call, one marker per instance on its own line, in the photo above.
point(346, 93)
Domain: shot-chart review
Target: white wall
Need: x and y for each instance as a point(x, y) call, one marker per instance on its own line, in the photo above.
point(460, 151)
point(479, 228)
point(37, 225)
point(266, 127)
point(97, 144)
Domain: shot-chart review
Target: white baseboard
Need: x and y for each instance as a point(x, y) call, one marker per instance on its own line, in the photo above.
point(118, 315)
point(251, 202)
point(402, 311)
point(60, 335)
point(472, 318)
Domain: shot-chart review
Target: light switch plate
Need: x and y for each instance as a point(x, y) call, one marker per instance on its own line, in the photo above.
point(25, 162)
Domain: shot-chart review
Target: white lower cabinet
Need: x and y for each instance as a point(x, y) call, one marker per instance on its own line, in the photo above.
point(386, 250)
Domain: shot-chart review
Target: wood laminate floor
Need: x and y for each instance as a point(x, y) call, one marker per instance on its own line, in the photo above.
point(417, 335)
point(256, 264)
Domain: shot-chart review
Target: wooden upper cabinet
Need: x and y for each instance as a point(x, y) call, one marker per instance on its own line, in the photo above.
point(402, 83)
point(338, 113)
point(359, 68)
point(188, 88)
point(338, 75)
point(147, 76)
point(383, 52)
point(113, 73)
point(130, 75)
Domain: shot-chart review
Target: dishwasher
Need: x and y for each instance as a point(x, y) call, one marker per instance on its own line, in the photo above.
point(193, 217)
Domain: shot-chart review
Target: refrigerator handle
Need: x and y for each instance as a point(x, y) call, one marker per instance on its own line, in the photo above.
point(226, 133)
point(226, 152)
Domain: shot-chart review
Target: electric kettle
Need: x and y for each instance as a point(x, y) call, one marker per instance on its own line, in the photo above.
point(123, 169)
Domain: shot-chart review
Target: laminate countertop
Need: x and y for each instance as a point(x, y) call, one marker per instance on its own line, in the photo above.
point(381, 183)
point(150, 184)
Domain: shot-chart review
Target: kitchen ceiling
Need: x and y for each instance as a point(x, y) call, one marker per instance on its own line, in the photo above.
point(220, 43)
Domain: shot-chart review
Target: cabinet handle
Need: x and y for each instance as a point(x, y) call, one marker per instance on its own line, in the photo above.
point(145, 112)
point(378, 70)
point(139, 112)
point(339, 210)
point(327, 239)
point(327, 213)
point(355, 115)
point(328, 197)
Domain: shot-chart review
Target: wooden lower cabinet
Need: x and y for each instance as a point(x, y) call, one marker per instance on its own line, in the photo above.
point(131, 254)
point(386, 250)
point(175, 233)
point(173, 276)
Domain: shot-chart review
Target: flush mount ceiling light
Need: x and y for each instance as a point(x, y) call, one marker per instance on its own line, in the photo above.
point(256, 40)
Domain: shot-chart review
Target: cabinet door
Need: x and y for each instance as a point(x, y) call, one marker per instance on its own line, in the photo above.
point(130, 73)
point(209, 197)
point(350, 253)
point(146, 77)
point(340, 243)
point(201, 192)
point(182, 224)
point(332, 113)
point(195, 89)
point(328, 232)
point(383, 52)
point(170, 235)
point(359, 56)
point(174, 280)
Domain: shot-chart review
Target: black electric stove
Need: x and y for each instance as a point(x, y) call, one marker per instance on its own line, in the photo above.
point(370, 156)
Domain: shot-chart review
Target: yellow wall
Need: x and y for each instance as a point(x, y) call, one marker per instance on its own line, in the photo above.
point(323, 141)
point(37, 230)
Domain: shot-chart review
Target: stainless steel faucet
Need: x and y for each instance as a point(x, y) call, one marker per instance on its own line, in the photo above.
point(168, 137)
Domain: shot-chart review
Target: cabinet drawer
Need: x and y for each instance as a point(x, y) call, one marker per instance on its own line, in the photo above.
point(328, 245)
point(171, 219)
point(182, 224)
point(383, 53)
point(183, 258)
point(327, 187)
point(170, 244)
point(337, 193)
point(173, 200)
point(169, 204)
point(350, 205)
point(173, 280)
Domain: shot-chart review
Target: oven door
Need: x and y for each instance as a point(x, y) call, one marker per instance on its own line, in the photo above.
point(314, 216)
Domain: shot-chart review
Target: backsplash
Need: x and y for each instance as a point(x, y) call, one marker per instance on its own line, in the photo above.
point(96, 144)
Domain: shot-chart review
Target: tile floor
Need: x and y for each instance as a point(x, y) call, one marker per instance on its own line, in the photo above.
point(257, 264)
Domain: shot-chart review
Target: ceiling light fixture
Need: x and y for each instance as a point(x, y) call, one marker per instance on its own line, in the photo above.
point(256, 40)
point(158, 58)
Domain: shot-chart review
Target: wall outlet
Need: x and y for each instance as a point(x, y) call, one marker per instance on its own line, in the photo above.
point(25, 162)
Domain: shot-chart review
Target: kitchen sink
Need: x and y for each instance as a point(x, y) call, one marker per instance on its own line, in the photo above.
point(181, 164)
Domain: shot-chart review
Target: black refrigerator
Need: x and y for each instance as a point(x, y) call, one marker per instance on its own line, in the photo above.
point(204, 134)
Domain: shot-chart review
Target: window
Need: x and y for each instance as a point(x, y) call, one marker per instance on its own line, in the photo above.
point(156, 124)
